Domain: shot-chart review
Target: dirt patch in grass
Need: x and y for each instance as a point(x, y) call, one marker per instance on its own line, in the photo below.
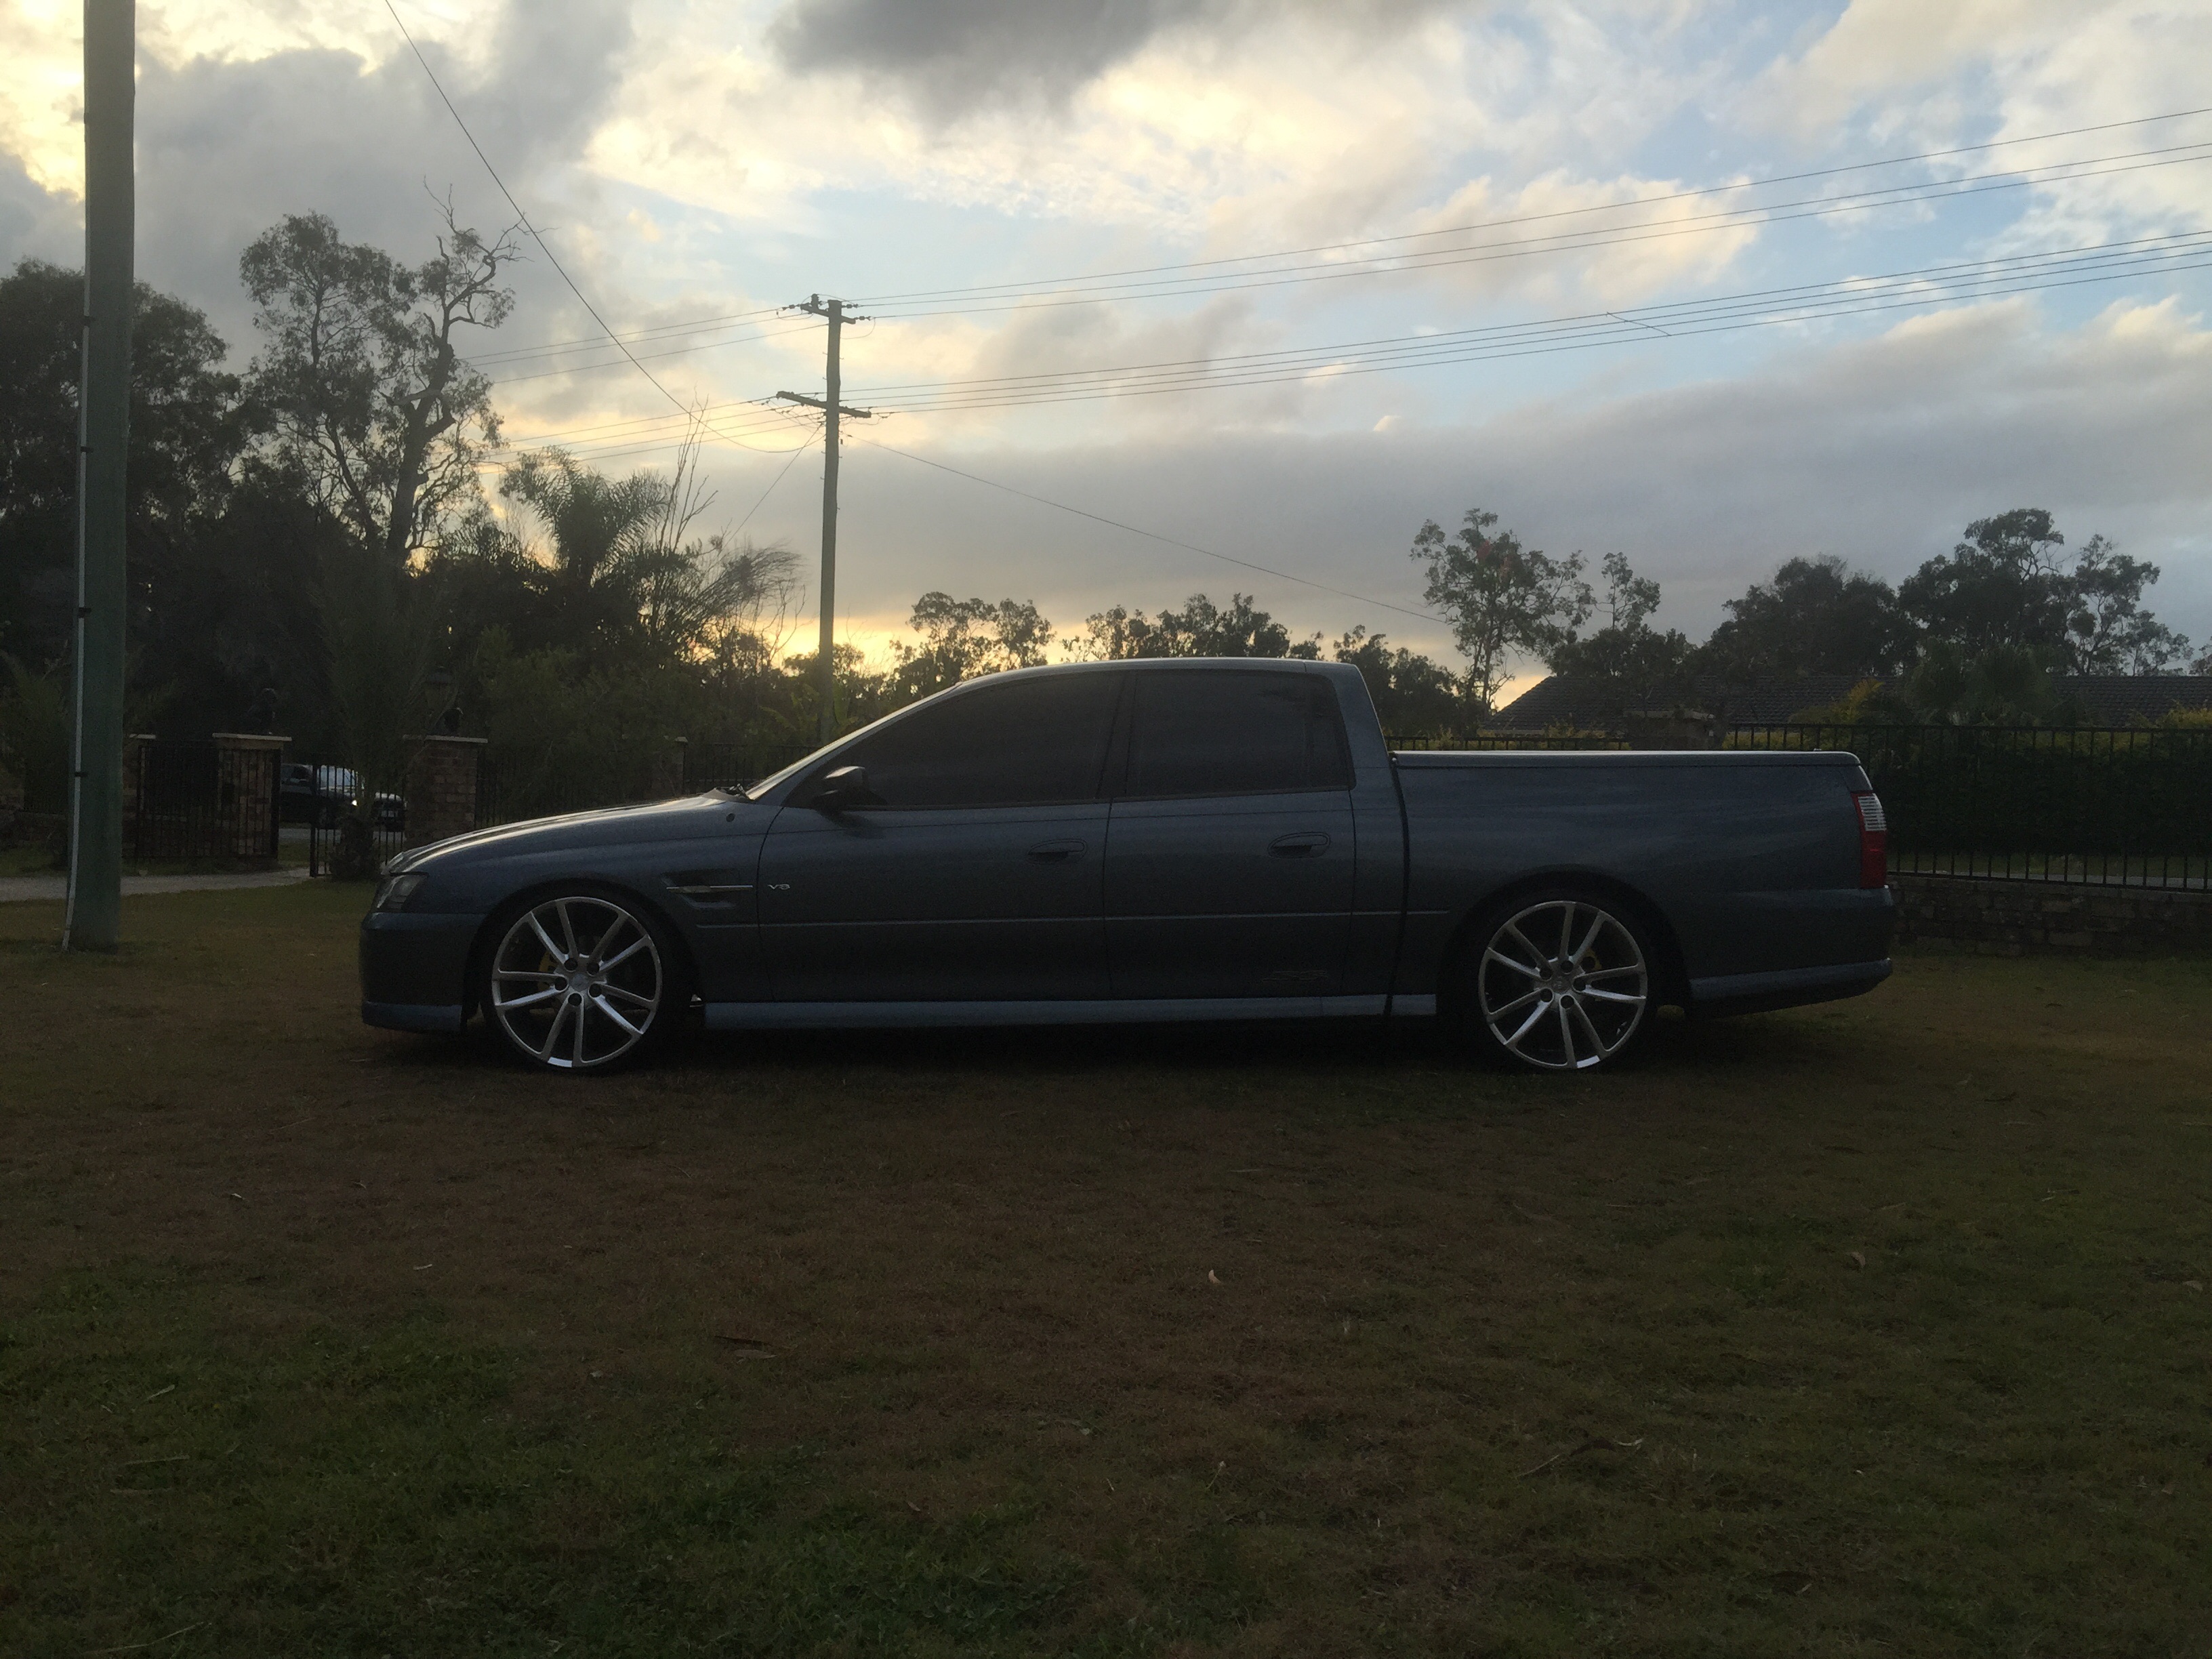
point(1872, 1329)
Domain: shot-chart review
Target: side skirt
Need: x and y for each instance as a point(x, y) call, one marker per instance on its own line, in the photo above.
point(831, 1015)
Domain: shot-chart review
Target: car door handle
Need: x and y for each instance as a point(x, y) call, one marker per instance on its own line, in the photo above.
point(1056, 852)
point(1306, 844)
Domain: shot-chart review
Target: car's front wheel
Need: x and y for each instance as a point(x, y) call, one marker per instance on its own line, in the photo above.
point(581, 981)
point(1558, 982)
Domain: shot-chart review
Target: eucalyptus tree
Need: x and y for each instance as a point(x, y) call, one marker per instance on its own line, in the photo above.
point(361, 375)
point(1502, 599)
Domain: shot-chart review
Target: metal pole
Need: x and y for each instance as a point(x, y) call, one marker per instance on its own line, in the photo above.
point(825, 666)
point(92, 919)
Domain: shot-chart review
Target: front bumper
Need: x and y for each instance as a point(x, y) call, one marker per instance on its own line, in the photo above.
point(414, 969)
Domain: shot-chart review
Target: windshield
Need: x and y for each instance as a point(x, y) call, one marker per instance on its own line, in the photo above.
point(802, 763)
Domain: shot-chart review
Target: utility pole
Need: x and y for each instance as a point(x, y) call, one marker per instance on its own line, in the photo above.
point(825, 664)
point(92, 919)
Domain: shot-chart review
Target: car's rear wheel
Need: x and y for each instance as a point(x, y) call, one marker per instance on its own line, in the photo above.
point(581, 981)
point(1559, 981)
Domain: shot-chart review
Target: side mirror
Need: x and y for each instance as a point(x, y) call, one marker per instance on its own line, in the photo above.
point(845, 788)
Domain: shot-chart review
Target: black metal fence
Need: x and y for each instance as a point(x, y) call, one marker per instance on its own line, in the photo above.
point(314, 799)
point(741, 765)
point(2106, 806)
point(204, 801)
point(514, 784)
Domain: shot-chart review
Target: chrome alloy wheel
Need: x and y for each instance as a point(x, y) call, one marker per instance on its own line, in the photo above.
point(1563, 986)
point(576, 983)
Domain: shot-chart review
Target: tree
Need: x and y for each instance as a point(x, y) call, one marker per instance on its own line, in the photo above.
point(2107, 630)
point(1817, 616)
point(2004, 585)
point(1639, 660)
point(1412, 695)
point(2002, 685)
point(964, 638)
point(360, 373)
point(2007, 585)
point(1502, 598)
point(1200, 628)
point(187, 430)
point(599, 527)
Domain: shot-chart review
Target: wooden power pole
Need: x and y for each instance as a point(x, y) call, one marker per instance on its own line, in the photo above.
point(825, 663)
point(92, 919)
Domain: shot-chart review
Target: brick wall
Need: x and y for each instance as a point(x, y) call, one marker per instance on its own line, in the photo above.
point(2024, 918)
point(441, 787)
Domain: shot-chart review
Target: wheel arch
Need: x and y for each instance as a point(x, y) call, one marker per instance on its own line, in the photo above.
point(1672, 974)
point(502, 916)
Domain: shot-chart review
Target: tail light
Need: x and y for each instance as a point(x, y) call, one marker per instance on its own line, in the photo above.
point(1874, 840)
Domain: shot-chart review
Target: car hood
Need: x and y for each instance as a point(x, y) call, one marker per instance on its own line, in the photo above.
point(627, 826)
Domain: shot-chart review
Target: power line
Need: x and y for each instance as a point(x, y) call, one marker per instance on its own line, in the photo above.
point(648, 357)
point(776, 480)
point(763, 419)
point(523, 218)
point(1955, 275)
point(994, 297)
point(1529, 247)
point(1529, 343)
point(699, 324)
point(1916, 287)
point(1151, 535)
point(1054, 284)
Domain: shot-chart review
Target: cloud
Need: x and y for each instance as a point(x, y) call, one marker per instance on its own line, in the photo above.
point(1878, 451)
point(36, 223)
point(952, 56)
point(227, 145)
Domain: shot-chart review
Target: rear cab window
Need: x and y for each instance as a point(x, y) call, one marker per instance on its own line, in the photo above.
point(1234, 732)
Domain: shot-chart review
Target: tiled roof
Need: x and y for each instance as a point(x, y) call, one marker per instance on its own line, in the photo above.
point(2124, 699)
point(1595, 704)
point(1598, 704)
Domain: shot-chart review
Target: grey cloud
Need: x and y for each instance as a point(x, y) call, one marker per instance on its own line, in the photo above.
point(956, 55)
point(228, 147)
point(36, 223)
point(1880, 452)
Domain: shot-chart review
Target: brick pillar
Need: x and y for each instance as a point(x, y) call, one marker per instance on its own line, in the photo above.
point(247, 767)
point(442, 787)
point(667, 779)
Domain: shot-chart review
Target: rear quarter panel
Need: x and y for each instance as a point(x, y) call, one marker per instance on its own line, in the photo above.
point(1751, 861)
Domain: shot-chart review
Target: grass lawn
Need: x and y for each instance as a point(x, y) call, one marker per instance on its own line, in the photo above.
point(1878, 1329)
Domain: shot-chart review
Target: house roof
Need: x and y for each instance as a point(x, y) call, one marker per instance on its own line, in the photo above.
point(2123, 699)
point(1591, 704)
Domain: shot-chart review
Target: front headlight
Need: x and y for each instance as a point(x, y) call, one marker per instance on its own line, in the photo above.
point(393, 891)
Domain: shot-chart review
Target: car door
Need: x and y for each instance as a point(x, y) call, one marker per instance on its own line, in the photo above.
point(976, 876)
point(1230, 857)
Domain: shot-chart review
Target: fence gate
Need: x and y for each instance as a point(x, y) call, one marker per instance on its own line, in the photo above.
point(204, 800)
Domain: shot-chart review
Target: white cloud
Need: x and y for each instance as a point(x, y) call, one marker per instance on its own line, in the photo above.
point(1878, 451)
point(1202, 128)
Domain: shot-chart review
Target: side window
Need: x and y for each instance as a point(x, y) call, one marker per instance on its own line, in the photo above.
point(1229, 731)
point(1029, 743)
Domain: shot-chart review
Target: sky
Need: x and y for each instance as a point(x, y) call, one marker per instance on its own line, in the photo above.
point(1648, 276)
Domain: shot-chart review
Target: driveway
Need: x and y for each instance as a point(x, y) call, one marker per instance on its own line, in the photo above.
point(15, 889)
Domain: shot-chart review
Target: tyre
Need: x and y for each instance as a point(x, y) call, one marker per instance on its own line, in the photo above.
point(581, 981)
point(1556, 981)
